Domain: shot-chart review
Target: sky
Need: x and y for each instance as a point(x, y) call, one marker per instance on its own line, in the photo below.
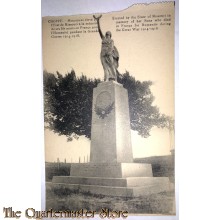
point(147, 55)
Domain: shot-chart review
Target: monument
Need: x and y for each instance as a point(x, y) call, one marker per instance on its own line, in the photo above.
point(111, 170)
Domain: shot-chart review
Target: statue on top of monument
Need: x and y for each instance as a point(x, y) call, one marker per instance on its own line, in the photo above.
point(109, 54)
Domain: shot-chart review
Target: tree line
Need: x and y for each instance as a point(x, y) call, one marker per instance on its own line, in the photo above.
point(68, 104)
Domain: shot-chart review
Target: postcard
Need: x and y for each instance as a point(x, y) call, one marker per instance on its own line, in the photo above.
point(109, 112)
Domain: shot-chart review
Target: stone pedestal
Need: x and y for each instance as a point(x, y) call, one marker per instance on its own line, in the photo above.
point(122, 187)
point(110, 135)
point(111, 170)
point(113, 179)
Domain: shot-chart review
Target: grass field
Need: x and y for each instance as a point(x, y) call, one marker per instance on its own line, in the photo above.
point(56, 169)
point(161, 203)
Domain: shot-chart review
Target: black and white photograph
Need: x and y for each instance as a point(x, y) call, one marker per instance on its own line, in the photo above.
point(109, 111)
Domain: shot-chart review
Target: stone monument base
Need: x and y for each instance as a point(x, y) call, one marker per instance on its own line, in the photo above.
point(119, 179)
point(113, 170)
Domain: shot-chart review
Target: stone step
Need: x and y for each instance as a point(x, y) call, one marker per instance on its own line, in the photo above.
point(118, 182)
point(113, 170)
point(160, 186)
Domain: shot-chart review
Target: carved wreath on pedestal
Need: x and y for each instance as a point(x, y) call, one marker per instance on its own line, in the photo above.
point(103, 112)
point(103, 105)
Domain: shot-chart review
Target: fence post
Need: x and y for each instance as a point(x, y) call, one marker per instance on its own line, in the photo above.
point(58, 163)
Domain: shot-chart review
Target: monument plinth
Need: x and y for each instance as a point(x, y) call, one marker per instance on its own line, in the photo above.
point(110, 135)
point(111, 170)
